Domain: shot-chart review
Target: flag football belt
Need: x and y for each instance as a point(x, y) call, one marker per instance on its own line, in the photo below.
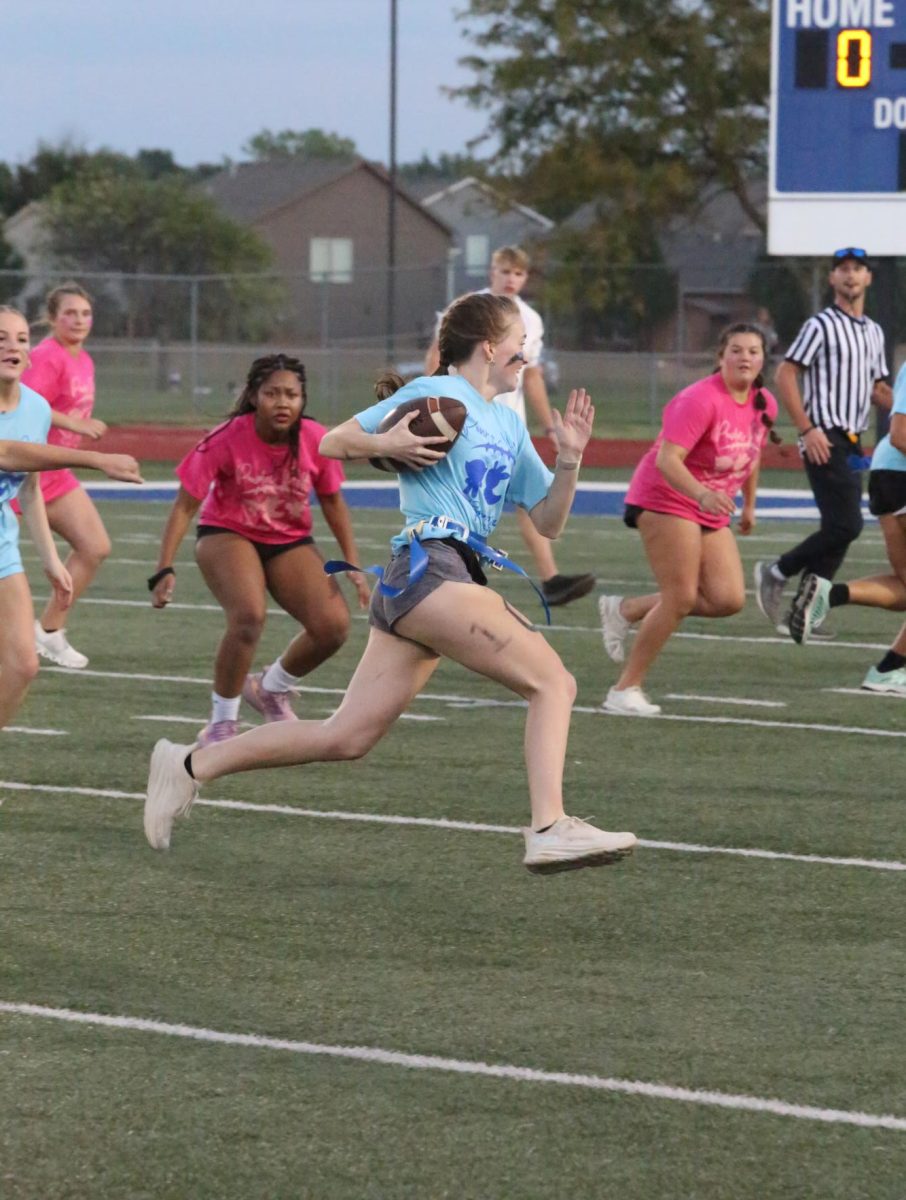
point(418, 558)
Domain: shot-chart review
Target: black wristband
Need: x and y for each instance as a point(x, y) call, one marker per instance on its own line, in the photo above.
point(809, 430)
point(155, 579)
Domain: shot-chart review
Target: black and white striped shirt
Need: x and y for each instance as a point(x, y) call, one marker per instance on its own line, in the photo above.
point(843, 357)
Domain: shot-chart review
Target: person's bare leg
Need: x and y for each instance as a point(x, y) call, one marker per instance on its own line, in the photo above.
point(234, 575)
point(18, 658)
point(674, 552)
point(297, 582)
point(75, 519)
point(476, 628)
point(390, 674)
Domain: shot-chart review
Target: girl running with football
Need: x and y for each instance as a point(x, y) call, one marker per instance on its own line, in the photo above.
point(445, 612)
point(62, 372)
point(24, 426)
point(253, 477)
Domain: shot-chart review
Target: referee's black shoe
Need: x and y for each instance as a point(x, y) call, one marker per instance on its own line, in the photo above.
point(562, 589)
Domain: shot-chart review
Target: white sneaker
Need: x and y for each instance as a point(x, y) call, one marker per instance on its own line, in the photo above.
point(614, 626)
point(171, 792)
point(56, 649)
point(570, 844)
point(630, 702)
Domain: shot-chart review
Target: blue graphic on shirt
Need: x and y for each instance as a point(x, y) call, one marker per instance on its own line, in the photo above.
point(492, 462)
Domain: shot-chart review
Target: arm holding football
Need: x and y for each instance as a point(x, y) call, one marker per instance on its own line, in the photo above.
point(349, 440)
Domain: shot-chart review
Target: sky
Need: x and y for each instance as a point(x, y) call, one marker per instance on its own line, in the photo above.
point(199, 77)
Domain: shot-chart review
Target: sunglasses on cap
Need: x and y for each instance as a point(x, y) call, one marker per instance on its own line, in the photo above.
point(761, 404)
point(855, 252)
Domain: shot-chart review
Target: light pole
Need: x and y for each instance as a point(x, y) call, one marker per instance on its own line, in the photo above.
point(391, 204)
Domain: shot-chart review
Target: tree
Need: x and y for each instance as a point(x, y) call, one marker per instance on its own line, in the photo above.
point(102, 221)
point(305, 143)
point(446, 167)
point(667, 96)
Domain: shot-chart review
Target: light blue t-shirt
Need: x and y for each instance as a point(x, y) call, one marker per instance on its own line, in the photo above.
point(886, 456)
point(29, 421)
point(492, 461)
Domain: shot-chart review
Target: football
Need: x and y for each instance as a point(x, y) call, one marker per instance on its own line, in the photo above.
point(438, 416)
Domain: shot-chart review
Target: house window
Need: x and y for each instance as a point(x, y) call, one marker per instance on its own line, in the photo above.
point(330, 260)
point(478, 253)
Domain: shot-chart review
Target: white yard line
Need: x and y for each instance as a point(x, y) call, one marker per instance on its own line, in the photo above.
point(725, 700)
point(477, 702)
point(865, 692)
point(444, 823)
point(35, 732)
point(730, 638)
point(430, 1062)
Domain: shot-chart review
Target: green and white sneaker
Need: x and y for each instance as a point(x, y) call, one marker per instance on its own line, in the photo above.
point(891, 682)
point(811, 605)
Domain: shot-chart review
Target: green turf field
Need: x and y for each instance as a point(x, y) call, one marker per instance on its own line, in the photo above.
point(691, 966)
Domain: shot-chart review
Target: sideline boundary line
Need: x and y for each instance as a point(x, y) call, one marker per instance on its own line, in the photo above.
point(431, 1062)
point(479, 702)
point(445, 823)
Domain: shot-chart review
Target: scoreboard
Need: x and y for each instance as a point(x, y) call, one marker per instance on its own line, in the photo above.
point(837, 173)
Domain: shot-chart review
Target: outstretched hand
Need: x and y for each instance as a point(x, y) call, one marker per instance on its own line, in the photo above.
point(122, 467)
point(573, 430)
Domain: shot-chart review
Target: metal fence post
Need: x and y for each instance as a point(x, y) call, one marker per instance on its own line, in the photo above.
point(193, 341)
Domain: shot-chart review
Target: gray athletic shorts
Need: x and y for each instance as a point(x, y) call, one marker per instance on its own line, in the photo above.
point(443, 563)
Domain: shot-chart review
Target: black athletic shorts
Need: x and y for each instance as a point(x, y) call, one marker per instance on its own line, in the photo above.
point(266, 550)
point(886, 492)
point(632, 512)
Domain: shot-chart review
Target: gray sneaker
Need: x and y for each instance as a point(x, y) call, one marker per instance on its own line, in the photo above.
point(571, 843)
point(811, 605)
point(769, 592)
point(171, 792)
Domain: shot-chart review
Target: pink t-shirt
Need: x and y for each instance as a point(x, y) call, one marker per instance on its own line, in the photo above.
point(255, 488)
point(66, 381)
point(724, 440)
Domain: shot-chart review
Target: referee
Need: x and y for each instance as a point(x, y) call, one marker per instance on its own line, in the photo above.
point(838, 358)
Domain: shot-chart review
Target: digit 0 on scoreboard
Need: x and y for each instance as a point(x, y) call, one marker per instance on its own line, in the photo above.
point(854, 58)
point(838, 126)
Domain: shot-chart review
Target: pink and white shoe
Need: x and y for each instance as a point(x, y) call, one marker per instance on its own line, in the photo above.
point(217, 731)
point(273, 706)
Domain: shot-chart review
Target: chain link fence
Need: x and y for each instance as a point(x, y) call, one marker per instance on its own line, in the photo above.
point(176, 349)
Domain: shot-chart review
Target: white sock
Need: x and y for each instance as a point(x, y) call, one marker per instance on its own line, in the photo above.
point(224, 708)
point(777, 574)
point(277, 679)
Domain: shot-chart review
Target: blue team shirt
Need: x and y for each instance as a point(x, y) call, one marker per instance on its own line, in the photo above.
point(492, 461)
point(29, 421)
point(886, 456)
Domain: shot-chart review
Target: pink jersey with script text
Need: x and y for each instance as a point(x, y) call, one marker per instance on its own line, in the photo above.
point(724, 440)
point(66, 381)
point(256, 488)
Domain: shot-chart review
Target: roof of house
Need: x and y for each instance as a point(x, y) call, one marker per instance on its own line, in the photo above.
point(249, 191)
point(712, 248)
point(497, 198)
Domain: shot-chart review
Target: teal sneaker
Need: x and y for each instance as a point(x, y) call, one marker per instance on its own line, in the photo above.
point(891, 682)
point(811, 605)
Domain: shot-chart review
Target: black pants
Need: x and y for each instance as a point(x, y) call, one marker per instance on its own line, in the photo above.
point(838, 493)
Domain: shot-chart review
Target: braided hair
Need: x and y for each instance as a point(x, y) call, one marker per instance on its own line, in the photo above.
point(259, 373)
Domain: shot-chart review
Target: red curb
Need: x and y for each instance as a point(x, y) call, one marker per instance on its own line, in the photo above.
point(170, 443)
